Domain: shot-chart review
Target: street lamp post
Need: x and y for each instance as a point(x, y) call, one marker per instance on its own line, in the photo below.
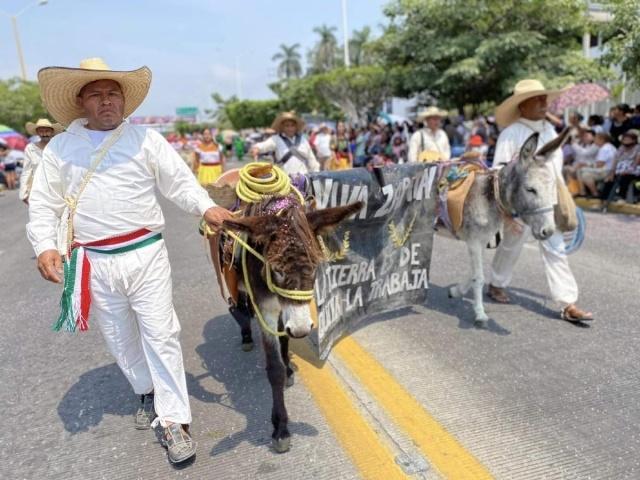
point(345, 34)
point(16, 33)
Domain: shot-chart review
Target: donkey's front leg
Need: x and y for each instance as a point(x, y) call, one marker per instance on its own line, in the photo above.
point(477, 279)
point(276, 372)
point(284, 350)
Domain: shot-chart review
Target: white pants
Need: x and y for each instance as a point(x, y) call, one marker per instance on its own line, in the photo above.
point(561, 281)
point(132, 302)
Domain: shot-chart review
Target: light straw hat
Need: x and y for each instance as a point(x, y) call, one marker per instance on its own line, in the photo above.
point(60, 86)
point(31, 127)
point(507, 112)
point(430, 112)
point(283, 117)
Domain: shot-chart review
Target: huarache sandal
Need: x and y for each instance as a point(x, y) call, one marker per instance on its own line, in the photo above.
point(146, 412)
point(498, 294)
point(180, 446)
point(572, 313)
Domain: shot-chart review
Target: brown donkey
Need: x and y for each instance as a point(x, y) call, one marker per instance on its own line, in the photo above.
point(286, 238)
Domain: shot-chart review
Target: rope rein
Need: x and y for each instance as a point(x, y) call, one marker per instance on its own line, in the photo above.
point(253, 189)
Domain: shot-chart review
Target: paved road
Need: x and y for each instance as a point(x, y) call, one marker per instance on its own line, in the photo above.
point(415, 394)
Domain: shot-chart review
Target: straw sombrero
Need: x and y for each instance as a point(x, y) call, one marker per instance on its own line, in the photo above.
point(59, 87)
point(284, 116)
point(507, 112)
point(430, 112)
point(31, 127)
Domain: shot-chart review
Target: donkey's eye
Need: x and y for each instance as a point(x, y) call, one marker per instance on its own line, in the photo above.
point(531, 190)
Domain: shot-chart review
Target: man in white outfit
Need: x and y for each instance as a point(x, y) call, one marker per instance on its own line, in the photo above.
point(429, 144)
point(293, 152)
point(522, 114)
point(33, 152)
point(97, 181)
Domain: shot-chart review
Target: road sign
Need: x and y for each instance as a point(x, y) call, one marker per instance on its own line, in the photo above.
point(187, 111)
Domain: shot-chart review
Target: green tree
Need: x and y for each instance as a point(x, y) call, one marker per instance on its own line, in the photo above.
point(622, 36)
point(324, 55)
point(219, 112)
point(465, 52)
point(20, 103)
point(359, 46)
point(252, 113)
point(289, 58)
point(301, 95)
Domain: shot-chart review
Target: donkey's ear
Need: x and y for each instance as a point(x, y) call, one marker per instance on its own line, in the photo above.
point(528, 150)
point(554, 144)
point(322, 221)
point(258, 228)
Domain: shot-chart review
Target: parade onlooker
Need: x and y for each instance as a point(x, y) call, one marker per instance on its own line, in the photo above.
point(491, 149)
point(341, 157)
point(585, 151)
point(10, 162)
point(430, 142)
point(588, 177)
point(292, 150)
point(45, 130)
point(626, 168)
point(477, 146)
point(208, 159)
point(322, 144)
point(620, 122)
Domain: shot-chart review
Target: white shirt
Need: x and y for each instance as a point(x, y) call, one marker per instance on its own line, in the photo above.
point(32, 158)
point(585, 153)
point(424, 140)
point(120, 197)
point(294, 165)
point(606, 154)
point(513, 137)
point(323, 144)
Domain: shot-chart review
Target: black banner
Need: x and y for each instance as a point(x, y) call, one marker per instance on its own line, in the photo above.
point(379, 260)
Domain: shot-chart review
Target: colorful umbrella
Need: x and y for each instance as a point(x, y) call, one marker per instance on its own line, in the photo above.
point(12, 138)
point(579, 95)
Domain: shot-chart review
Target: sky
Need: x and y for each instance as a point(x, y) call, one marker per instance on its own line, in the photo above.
point(191, 46)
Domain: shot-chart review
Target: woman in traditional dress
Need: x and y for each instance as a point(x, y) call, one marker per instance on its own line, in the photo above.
point(208, 159)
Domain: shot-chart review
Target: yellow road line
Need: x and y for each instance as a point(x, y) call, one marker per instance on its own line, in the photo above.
point(372, 458)
point(445, 453)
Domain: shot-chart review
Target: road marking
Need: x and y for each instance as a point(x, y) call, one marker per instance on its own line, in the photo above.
point(444, 452)
point(371, 457)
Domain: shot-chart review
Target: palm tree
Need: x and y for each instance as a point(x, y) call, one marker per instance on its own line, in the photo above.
point(323, 56)
point(357, 44)
point(289, 66)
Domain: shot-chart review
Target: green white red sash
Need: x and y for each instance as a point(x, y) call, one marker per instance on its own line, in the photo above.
point(76, 295)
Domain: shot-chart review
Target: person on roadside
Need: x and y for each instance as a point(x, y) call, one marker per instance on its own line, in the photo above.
point(589, 177)
point(94, 200)
point(521, 115)
point(45, 130)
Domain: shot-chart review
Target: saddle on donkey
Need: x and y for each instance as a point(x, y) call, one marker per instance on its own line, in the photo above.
point(454, 183)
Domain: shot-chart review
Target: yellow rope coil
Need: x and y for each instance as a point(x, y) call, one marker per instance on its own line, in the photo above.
point(253, 189)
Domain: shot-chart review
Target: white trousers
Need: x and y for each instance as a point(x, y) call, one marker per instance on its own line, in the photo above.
point(562, 283)
point(132, 302)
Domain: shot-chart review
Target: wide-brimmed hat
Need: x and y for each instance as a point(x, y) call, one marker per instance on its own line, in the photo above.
point(430, 112)
point(31, 127)
point(633, 134)
point(507, 112)
point(60, 86)
point(283, 117)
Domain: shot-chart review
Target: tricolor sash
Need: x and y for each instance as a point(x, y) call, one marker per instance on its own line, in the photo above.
point(76, 295)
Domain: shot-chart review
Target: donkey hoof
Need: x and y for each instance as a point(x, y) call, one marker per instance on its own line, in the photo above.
point(281, 445)
point(454, 292)
point(290, 381)
point(247, 346)
point(481, 319)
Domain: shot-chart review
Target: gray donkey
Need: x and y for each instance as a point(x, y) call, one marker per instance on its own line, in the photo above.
point(524, 188)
